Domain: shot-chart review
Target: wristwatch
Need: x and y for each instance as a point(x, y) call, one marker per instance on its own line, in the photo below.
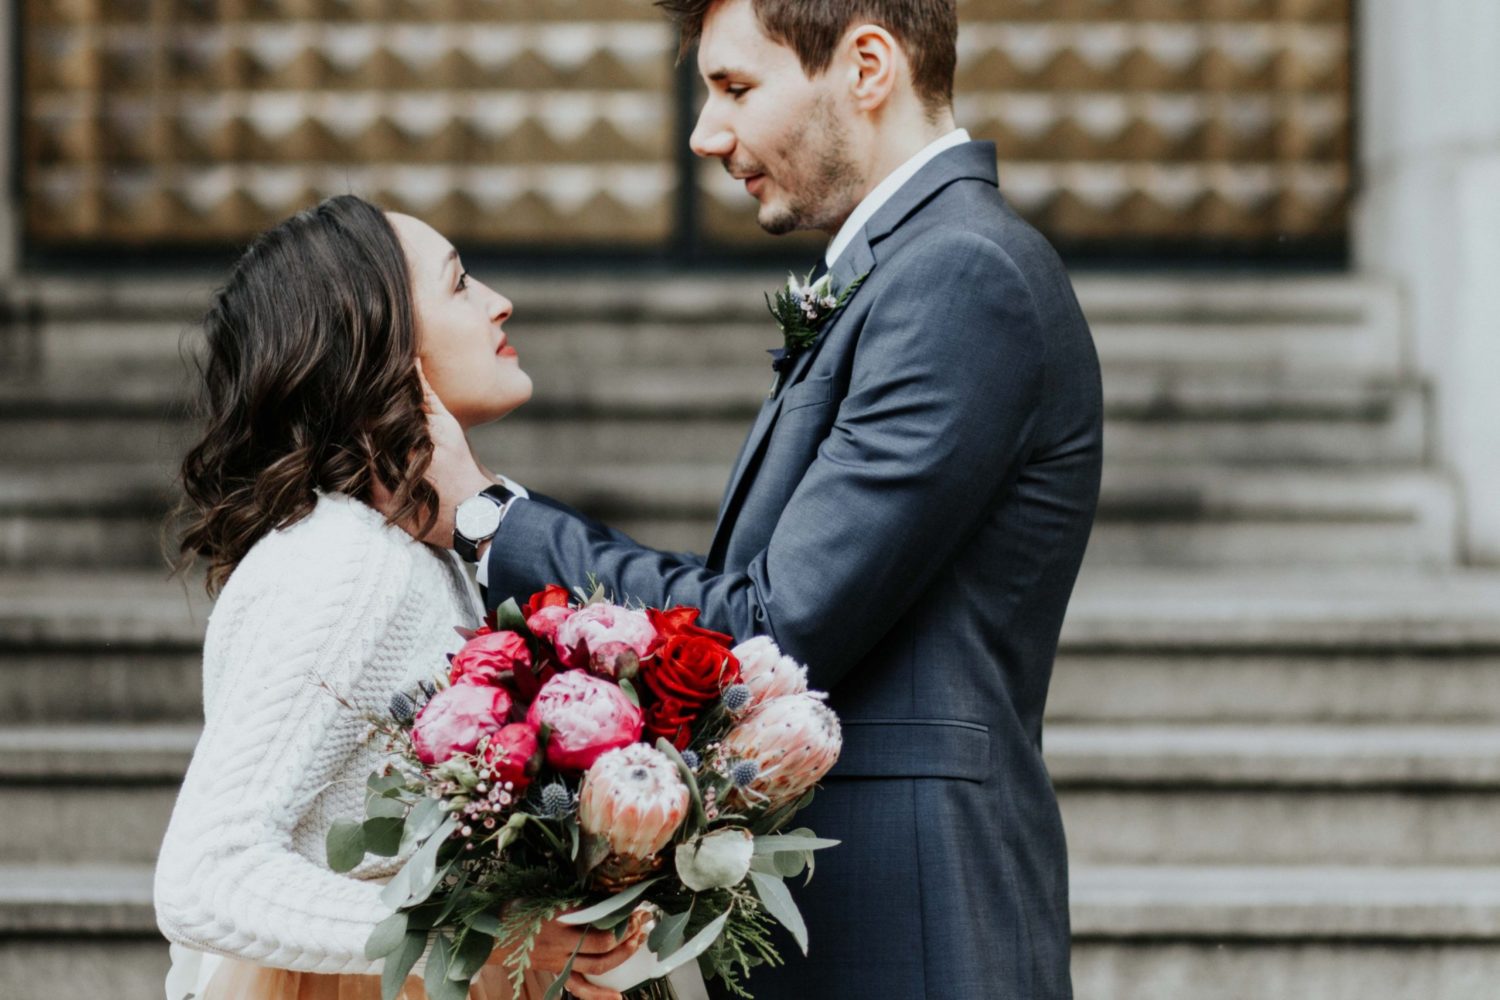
point(477, 519)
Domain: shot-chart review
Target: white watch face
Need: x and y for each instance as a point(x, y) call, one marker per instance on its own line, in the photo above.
point(477, 518)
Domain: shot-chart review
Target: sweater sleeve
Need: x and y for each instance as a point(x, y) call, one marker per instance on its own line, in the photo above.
point(228, 879)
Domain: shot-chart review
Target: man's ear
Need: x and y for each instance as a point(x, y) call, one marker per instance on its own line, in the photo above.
point(874, 61)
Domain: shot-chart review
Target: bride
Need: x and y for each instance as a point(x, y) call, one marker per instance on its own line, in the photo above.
point(313, 398)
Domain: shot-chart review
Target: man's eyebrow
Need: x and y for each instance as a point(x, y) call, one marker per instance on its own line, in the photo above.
point(725, 73)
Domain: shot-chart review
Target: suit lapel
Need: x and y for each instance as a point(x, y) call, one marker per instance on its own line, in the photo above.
point(856, 260)
point(970, 161)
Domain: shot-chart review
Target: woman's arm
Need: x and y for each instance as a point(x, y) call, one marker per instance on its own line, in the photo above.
point(228, 878)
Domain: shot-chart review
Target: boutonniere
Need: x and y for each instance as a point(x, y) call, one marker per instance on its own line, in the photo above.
point(801, 308)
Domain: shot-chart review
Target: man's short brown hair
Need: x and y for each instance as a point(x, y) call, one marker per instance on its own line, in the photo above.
point(926, 29)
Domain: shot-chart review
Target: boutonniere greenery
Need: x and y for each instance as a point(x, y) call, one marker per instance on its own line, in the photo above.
point(800, 309)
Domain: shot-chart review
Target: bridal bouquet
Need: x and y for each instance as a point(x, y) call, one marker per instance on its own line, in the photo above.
point(579, 759)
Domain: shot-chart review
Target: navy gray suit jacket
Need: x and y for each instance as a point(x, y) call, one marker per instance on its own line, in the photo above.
point(908, 517)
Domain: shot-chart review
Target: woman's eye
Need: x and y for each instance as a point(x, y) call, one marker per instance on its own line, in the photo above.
point(463, 281)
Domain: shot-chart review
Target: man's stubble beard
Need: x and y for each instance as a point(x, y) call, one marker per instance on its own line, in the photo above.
point(826, 197)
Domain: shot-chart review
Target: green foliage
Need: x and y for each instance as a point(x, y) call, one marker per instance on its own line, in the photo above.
point(345, 845)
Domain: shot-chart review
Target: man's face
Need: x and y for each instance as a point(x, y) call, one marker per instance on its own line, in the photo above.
point(783, 134)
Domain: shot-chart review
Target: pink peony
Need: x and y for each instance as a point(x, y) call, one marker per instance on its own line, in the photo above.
point(487, 658)
point(592, 627)
point(545, 623)
point(456, 719)
point(588, 715)
point(512, 755)
point(767, 672)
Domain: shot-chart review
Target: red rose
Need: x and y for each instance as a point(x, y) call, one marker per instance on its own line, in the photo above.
point(551, 596)
point(487, 658)
point(691, 668)
point(513, 754)
point(672, 720)
point(680, 621)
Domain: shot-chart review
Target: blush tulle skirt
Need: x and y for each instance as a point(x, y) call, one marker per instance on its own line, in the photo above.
point(213, 977)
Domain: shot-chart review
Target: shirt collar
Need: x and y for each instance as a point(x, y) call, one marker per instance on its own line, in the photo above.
point(886, 188)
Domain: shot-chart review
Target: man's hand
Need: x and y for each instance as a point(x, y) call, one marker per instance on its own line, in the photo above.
point(455, 473)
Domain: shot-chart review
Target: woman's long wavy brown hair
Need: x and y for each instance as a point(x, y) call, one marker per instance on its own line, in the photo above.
point(309, 382)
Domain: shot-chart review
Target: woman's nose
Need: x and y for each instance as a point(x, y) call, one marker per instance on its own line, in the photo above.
point(500, 308)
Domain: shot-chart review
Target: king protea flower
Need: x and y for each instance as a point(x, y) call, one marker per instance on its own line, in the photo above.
point(634, 798)
point(793, 740)
point(767, 672)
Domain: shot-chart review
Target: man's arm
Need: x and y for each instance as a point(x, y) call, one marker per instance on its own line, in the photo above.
point(937, 422)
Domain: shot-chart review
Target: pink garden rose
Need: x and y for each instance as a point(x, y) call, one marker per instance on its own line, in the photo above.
point(488, 657)
point(456, 719)
point(593, 627)
point(512, 755)
point(588, 716)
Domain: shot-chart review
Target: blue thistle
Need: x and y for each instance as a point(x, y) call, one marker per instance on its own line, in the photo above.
point(743, 773)
point(403, 708)
point(692, 760)
point(428, 688)
point(737, 697)
point(557, 801)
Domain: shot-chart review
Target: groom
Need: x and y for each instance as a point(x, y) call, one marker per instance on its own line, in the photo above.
point(908, 513)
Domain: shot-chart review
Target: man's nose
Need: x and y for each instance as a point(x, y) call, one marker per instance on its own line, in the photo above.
point(710, 138)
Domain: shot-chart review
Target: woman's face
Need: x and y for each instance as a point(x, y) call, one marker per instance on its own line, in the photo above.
point(464, 351)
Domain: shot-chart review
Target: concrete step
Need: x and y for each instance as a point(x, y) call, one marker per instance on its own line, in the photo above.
point(1273, 323)
point(1139, 646)
point(1140, 933)
point(1368, 795)
point(1275, 794)
point(1182, 515)
point(1269, 933)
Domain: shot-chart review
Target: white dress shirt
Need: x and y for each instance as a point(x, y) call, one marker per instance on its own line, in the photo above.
point(482, 570)
point(893, 182)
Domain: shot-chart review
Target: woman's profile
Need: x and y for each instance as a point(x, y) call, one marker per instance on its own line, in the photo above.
point(313, 409)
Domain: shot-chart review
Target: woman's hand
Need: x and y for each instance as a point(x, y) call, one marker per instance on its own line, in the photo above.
point(598, 953)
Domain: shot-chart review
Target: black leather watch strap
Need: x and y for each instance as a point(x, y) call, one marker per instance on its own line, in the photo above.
point(468, 548)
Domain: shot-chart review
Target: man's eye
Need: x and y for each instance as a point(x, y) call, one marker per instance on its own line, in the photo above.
point(736, 90)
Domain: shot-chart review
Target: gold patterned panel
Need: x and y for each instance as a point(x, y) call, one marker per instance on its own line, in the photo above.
point(503, 122)
point(1121, 121)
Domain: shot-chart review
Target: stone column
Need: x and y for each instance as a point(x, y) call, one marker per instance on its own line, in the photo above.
point(1429, 216)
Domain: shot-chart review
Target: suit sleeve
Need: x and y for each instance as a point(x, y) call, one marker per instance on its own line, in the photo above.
point(941, 409)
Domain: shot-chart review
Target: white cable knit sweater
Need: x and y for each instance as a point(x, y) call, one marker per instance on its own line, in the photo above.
point(340, 598)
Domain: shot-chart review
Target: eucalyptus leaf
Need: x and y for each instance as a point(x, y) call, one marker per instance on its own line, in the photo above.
point(789, 864)
point(699, 943)
point(666, 937)
point(425, 817)
point(700, 817)
point(630, 692)
point(421, 893)
point(607, 907)
point(380, 807)
point(772, 843)
point(398, 964)
point(472, 951)
point(383, 836)
point(436, 980)
point(572, 825)
point(387, 785)
point(424, 862)
point(346, 845)
point(398, 888)
point(508, 617)
point(484, 923)
point(387, 936)
point(779, 904)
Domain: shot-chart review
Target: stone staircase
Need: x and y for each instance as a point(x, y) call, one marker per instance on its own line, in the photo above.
point(1275, 722)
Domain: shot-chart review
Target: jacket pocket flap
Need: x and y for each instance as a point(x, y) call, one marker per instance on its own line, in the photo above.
point(913, 748)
